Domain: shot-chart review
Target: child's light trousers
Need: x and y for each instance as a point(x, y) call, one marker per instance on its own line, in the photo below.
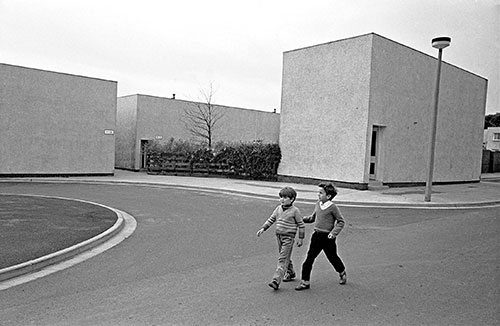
point(285, 246)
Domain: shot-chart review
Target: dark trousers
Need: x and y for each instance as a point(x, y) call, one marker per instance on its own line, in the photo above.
point(320, 242)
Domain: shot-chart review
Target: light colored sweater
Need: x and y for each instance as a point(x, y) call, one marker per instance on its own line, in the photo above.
point(328, 220)
point(287, 221)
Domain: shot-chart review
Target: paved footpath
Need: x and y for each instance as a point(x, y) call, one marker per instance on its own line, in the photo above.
point(484, 193)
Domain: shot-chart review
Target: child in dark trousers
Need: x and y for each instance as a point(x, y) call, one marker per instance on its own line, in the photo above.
point(329, 223)
point(288, 220)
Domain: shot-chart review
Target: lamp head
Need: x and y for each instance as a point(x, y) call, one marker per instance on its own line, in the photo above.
point(441, 42)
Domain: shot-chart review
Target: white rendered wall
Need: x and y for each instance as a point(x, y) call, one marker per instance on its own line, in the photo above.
point(333, 94)
point(324, 111)
point(401, 98)
point(161, 119)
point(491, 143)
point(54, 123)
point(126, 132)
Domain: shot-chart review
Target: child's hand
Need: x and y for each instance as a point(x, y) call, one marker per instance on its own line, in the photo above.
point(260, 232)
point(299, 242)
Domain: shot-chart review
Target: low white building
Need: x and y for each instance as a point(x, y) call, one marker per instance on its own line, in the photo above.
point(55, 123)
point(360, 109)
point(491, 139)
point(144, 118)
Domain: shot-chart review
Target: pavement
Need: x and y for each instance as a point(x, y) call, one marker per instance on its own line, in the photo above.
point(485, 193)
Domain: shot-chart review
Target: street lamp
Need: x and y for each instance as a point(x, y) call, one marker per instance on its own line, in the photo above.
point(439, 43)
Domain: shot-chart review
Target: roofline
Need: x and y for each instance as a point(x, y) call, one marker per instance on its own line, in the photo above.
point(57, 72)
point(196, 102)
point(330, 42)
point(388, 39)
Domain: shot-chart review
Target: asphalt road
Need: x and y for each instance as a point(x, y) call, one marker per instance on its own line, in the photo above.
point(194, 259)
point(50, 224)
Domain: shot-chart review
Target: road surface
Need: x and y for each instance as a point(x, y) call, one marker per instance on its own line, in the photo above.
point(194, 259)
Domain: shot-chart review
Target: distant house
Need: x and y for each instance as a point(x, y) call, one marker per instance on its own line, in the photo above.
point(491, 139)
point(55, 123)
point(359, 110)
point(143, 118)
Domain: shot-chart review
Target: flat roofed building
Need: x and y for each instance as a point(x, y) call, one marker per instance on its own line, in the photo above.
point(55, 123)
point(360, 110)
point(144, 118)
point(492, 139)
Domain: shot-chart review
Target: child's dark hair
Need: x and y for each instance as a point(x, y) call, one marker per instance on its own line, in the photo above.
point(329, 188)
point(288, 192)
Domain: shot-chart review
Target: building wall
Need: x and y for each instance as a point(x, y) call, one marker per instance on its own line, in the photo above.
point(489, 141)
point(324, 111)
point(333, 95)
point(401, 98)
point(161, 119)
point(126, 131)
point(54, 123)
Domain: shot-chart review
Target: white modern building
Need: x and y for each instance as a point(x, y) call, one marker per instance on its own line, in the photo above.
point(143, 118)
point(491, 139)
point(359, 110)
point(55, 123)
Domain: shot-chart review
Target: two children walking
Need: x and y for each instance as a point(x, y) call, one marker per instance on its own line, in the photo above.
point(328, 224)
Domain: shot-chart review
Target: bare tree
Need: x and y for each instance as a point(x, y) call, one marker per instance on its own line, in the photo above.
point(202, 118)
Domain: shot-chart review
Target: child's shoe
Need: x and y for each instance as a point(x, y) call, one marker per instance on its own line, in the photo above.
point(289, 277)
point(304, 285)
point(343, 278)
point(274, 284)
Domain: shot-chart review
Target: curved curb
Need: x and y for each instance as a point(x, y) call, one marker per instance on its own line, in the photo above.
point(431, 205)
point(64, 254)
point(468, 205)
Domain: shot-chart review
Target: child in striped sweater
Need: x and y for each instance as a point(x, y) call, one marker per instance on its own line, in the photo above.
point(288, 220)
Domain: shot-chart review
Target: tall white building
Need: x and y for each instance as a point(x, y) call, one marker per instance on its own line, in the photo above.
point(360, 109)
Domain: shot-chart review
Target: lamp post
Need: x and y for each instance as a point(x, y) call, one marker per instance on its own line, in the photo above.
point(439, 43)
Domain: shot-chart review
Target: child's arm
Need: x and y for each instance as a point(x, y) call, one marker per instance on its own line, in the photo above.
point(338, 223)
point(270, 221)
point(311, 218)
point(301, 226)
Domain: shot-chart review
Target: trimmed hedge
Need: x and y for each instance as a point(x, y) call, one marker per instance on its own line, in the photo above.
point(254, 160)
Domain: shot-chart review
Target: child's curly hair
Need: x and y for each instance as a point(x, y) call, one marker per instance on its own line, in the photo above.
point(288, 192)
point(329, 188)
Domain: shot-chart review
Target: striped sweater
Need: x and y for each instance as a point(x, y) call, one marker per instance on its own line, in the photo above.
point(287, 221)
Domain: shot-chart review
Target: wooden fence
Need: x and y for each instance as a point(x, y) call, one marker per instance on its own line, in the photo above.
point(182, 166)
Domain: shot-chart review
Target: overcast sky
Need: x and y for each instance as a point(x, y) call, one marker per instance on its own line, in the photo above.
point(164, 47)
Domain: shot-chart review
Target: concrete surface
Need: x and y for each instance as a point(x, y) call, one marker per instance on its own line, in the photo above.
point(484, 193)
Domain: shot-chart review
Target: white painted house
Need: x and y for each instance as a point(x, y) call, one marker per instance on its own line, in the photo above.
point(492, 139)
point(55, 123)
point(144, 118)
point(360, 109)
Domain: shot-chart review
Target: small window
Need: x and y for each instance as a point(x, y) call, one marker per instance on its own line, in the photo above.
point(496, 136)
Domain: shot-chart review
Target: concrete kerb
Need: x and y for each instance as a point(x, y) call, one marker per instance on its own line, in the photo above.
point(67, 253)
point(346, 203)
point(469, 205)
